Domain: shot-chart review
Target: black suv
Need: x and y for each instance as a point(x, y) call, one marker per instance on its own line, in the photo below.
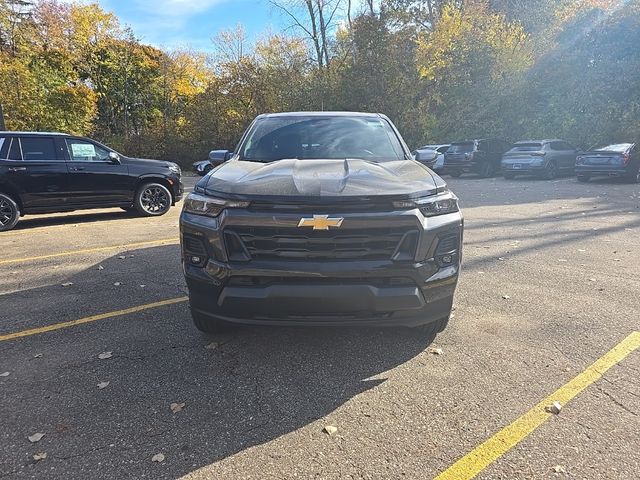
point(477, 156)
point(54, 172)
point(321, 219)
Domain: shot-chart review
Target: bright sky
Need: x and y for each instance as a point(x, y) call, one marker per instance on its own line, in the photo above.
point(183, 23)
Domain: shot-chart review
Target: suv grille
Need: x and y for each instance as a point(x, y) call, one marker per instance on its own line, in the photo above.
point(270, 243)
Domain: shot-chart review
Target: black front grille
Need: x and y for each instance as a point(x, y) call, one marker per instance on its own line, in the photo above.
point(269, 243)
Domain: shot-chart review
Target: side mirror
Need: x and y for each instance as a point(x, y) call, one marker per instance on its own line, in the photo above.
point(114, 158)
point(219, 156)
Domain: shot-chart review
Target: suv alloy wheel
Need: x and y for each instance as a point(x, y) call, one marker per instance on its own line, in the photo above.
point(9, 213)
point(153, 200)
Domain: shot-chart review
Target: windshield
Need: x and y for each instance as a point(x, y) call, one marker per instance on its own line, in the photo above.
point(526, 147)
point(618, 147)
point(466, 147)
point(315, 137)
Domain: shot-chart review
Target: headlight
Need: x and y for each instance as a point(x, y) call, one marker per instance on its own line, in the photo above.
point(210, 206)
point(431, 206)
point(175, 168)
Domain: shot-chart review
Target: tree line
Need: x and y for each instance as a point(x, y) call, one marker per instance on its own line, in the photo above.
point(443, 70)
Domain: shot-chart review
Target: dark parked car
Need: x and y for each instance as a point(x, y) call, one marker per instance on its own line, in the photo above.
point(618, 160)
point(477, 156)
point(542, 158)
point(321, 219)
point(54, 172)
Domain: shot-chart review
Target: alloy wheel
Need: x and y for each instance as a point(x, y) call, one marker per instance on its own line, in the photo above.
point(155, 199)
point(7, 212)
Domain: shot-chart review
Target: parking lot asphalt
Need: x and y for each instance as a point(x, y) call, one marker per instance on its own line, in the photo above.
point(550, 285)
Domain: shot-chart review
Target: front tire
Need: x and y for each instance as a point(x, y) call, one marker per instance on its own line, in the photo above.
point(434, 328)
point(209, 325)
point(486, 170)
point(634, 176)
point(9, 213)
point(550, 172)
point(152, 200)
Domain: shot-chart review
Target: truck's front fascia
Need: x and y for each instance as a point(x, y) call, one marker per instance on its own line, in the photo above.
point(258, 265)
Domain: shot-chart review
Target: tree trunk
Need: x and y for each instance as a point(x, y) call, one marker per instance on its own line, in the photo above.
point(2, 125)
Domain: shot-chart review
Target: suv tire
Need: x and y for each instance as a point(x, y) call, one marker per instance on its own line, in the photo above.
point(208, 324)
point(634, 175)
point(152, 200)
point(486, 170)
point(9, 212)
point(550, 172)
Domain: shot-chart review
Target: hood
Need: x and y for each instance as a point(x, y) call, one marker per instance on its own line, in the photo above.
point(323, 178)
point(148, 161)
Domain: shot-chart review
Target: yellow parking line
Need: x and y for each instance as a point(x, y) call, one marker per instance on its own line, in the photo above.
point(488, 452)
point(94, 318)
point(165, 241)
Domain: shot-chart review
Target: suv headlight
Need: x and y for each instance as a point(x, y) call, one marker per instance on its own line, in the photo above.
point(210, 206)
point(431, 206)
point(175, 168)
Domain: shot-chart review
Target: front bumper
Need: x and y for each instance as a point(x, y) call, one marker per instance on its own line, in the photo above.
point(177, 188)
point(375, 292)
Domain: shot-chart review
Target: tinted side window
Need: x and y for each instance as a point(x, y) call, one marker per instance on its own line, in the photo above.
point(14, 150)
point(483, 146)
point(36, 149)
point(84, 151)
point(2, 142)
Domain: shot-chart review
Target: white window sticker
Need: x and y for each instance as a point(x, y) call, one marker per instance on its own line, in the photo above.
point(83, 150)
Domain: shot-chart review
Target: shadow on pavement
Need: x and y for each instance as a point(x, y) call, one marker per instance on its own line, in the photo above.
point(251, 386)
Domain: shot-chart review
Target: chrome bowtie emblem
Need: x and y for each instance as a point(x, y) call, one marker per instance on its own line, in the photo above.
point(320, 222)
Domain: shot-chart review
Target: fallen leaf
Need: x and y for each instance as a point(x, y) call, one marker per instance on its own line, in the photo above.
point(501, 258)
point(105, 355)
point(177, 407)
point(506, 297)
point(330, 430)
point(5, 374)
point(122, 257)
point(592, 280)
point(37, 355)
point(39, 456)
point(117, 284)
point(212, 346)
point(435, 351)
point(68, 284)
point(562, 260)
point(102, 385)
point(158, 457)
point(559, 469)
point(36, 437)
point(142, 286)
point(100, 267)
point(554, 408)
